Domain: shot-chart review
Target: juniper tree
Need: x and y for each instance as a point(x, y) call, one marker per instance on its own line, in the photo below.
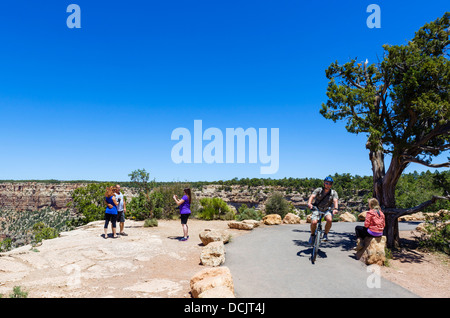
point(402, 103)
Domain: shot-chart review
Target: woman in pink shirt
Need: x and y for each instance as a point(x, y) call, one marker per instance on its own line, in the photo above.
point(374, 223)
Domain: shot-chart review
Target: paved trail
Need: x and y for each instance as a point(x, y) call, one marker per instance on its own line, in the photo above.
point(274, 262)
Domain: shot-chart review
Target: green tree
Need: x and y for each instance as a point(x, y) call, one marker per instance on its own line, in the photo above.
point(403, 105)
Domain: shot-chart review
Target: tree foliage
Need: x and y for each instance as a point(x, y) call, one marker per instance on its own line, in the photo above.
point(90, 201)
point(402, 104)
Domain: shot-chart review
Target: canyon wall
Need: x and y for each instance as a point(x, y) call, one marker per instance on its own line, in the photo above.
point(32, 196)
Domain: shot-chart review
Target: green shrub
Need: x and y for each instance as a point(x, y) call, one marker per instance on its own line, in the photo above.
point(437, 237)
point(43, 232)
point(151, 222)
point(277, 204)
point(248, 214)
point(18, 293)
point(90, 201)
point(213, 208)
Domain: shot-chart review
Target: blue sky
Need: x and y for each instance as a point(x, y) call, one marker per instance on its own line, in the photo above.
point(99, 102)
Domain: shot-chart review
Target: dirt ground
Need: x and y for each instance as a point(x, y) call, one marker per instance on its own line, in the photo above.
point(425, 274)
point(152, 262)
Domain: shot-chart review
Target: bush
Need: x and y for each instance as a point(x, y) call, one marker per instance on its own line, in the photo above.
point(90, 201)
point(158, 203)
point(18, 293)
point(277, 204)
point(438, 234)
point(246, 213)
point(151, 222)
point(213, 208)
point(43, 232)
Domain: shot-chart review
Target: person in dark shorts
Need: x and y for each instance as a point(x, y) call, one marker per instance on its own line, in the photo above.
point(110, 212)
point(121, 209)
point(322, 198)
point(185, 210)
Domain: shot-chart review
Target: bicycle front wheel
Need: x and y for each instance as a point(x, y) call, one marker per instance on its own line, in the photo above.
point(315, 247)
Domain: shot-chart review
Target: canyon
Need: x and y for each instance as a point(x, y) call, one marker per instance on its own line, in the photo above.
point(32, 196)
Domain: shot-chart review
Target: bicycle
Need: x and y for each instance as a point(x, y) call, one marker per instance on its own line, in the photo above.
point(318, 235)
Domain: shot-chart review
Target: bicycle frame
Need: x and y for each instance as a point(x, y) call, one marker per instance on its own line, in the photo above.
point(318, 235)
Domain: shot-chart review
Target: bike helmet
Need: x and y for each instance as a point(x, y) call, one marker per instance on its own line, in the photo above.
point(329, 179)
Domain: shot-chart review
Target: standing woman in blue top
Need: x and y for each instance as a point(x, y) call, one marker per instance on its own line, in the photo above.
point(185, 210)
point(111, 211)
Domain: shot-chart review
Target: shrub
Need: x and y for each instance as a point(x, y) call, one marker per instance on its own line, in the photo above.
point(90, 201)
point(151, 222)
point(43, 232)
point(18, 293)
point(213, 208)
point(248, 214)
point(277, 204)
point(437, 237)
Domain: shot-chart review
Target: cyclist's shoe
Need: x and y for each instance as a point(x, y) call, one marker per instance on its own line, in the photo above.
point(311, 239)
point(325, 237)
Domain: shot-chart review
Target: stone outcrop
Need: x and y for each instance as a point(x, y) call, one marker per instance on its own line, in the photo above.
point(371, 250)
point(291, 218)
point(241, 225)
point(207, 236)
point(32, 196)
point(272, 219)
point(347, 217)
point(215, 282)
point(213, 254)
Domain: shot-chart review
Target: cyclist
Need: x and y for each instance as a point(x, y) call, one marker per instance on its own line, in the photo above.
point(323, 198)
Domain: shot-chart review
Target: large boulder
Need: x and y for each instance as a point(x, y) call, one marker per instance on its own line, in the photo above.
point(207, 236)
point(213, 254)
point(347, 217)
point(371, 250)
point(272, 219)
point(212, 278)
point(240, 225)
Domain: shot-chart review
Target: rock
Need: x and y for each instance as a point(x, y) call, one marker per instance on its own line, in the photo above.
point(272, 219)
point(422, 228)
point(240, 225)
point(211, 278)
point(362, 216)
point(347, 217)
point(217, 292)
point(207, 236)
point(419, 216)
point(291, 218)
point(372, 252)
point(213, 254)
point(255, 223)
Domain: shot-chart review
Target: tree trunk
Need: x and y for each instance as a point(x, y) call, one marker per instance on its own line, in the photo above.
point(384, 191)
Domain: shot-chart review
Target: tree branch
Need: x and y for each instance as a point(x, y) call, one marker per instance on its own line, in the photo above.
point(400, 212)
point(413, 159)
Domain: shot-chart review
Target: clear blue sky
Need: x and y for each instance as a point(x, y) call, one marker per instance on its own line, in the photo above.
point(99, 102)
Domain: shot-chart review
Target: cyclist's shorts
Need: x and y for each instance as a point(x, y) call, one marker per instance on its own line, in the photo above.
point(315, 215)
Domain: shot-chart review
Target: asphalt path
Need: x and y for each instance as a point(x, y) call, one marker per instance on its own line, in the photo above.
point(274, 262)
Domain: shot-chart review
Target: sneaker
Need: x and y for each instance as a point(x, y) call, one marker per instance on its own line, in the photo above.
point(184, 239)
point(123, 234)
point(325, 237)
